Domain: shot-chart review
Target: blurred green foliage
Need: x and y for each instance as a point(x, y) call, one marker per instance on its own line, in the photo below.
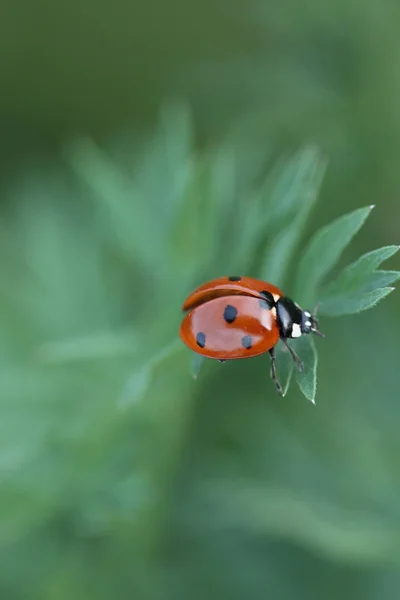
point(121, 476)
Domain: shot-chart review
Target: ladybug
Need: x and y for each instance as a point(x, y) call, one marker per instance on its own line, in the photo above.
point(242, 317)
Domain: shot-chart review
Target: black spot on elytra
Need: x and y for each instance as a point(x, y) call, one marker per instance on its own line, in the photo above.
point(201, 339)
point(247, 342)
point(234, 278)
point(268, 298)
point(230, 313)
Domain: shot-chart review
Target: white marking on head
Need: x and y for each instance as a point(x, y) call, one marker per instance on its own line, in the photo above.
point(307, 314)
point(307, 323)
point(296, 330)
point(276, 297)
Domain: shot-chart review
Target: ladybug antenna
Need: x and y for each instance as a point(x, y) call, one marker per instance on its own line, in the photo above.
point(315, 322)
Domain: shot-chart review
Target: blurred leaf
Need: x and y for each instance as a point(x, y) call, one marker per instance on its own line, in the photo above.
point(197, 363)
point(206, 200)
point(103, 345)
point(129, 201)
point(136, 387)
point(168, 154)
point(121, 206)
point(140, 381)
point(323, 252)
point(277, 511)
point(295, 198)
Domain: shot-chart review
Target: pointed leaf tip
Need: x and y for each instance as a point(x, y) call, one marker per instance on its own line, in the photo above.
point(307, 379)
point(324, 250)
point(196, 364)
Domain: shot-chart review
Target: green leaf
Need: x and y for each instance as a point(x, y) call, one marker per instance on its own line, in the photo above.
point(196, 233)
point(284, 367)
point(362, 275)
point(123, 209)
point(307, 379)
point(145, 197)
point(380, 279)
point(140, 381)
point(272, 204)
point(353, 303)
point(297, 181)
point(168, 154)
point(293, 200)
point(371, 260)
point(370, 283)
point(102, 345)
point(359, 286)
point(324, 251)
point(136, 387)
point(196, 364)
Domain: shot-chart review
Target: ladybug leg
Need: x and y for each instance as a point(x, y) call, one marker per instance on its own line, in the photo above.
point(274, 375)
point(296, 357)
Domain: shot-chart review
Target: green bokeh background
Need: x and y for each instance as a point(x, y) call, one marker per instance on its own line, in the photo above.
point(116, 484)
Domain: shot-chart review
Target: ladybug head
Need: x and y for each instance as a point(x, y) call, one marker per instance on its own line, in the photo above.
point(309, 322)
point(293, 321)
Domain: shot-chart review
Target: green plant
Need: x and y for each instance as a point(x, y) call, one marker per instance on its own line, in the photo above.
point(205, 216)
point(96, 259)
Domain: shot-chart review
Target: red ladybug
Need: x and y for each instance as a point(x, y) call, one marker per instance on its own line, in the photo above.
point(242, 317)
